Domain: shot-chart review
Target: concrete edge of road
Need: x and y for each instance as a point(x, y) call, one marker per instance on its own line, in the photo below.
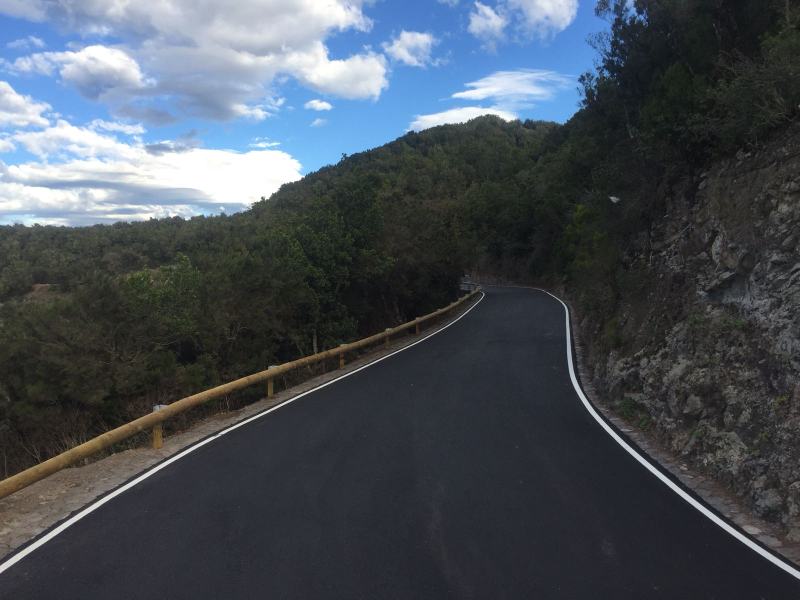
point(55, 528)
point(652, 464)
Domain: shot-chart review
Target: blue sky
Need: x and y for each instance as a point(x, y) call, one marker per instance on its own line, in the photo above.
point(135, 109)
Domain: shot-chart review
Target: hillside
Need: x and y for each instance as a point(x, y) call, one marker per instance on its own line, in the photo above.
point(99, 323)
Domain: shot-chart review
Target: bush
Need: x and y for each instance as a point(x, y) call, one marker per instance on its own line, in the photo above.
point(758, 95)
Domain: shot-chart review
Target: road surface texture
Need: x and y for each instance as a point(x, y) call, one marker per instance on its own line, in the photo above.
point(463, 467)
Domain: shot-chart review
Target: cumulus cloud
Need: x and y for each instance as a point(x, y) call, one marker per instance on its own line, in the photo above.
point(518, 89)
point(236, 52)
point(17, 110)
point(319, 105)
point(64, 139)
point(529, 19)
point(95, 71)
point(545, 18)
point(412, 48)
point(360, 76)
point(486, 24)
point(128, 182)
point(458, 115)
point(183, 143)
point(26, 43)
point(104, 172)
point(31, 10)
point(319, 122)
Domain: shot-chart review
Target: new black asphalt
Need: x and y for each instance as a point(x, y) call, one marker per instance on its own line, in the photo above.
point(463, 467)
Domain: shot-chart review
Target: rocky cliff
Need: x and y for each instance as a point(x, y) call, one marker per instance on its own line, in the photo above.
point(703, 348)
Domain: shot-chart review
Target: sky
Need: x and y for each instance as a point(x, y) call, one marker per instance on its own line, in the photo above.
point(122, 110)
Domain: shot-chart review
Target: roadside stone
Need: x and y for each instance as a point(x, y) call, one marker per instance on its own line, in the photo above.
point(793, 501)
point(693, 406)
point(752, 529)
point(768, 502)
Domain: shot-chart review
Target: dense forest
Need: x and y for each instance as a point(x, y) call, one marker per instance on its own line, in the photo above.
point(99, 323)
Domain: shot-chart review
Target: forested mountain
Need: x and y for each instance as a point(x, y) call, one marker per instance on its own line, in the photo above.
point(99, 323)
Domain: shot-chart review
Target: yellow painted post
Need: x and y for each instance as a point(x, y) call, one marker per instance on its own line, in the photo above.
point(270, 383)
point(158, 436)
point(158, 429)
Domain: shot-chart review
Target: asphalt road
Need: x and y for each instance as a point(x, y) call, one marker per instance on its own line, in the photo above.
point(463, 467)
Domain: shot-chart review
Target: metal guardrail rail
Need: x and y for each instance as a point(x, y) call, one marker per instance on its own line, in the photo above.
point(154, 420)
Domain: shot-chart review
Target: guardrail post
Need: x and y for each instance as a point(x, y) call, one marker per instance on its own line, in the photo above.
point(270, 384)
point(158, 429)
point(341, 357)
point(416, 328)
point(386, 341)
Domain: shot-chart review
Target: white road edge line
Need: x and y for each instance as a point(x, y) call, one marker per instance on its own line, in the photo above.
point(647, 465)
point(153, 470)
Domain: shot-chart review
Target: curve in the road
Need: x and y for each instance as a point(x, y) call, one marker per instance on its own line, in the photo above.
point(647, 464)
point(468, 467)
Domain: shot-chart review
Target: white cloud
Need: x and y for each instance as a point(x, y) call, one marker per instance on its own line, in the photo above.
point(85, 177)
point(458, 115)
point(517, 89)
point(450, 3)
point(486, 24)
point(127, 129)
point(412, 48)
point(17, 110)
point(545, 18)
point(318, 122)
point(97, 72)
point(508, 91)
point(64, 139)
point(31, 10)
point(262, 142)
point(237, 52)
point(318, 105)
point(357, 77)
point(530, 19)
point(26, 43)
point(104, 172)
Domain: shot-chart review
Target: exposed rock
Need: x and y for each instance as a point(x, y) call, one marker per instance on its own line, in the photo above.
point(768, 502)
point(711, 355)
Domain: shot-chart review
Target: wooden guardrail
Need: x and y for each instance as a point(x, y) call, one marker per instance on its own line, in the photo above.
point(154, 420)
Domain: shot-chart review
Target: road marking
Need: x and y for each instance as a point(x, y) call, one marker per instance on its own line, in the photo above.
point(155, 469)
point(777, 561)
